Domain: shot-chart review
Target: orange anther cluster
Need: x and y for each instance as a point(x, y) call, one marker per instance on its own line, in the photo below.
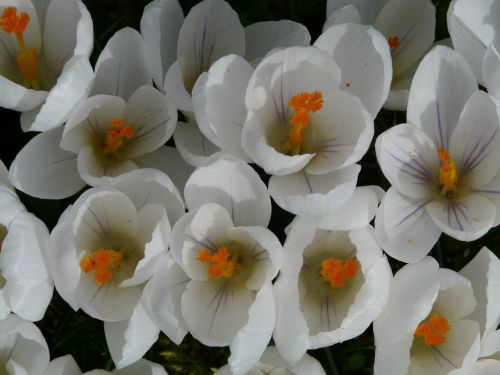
point(222, 263)
point(303, 103)
point(27, 59)
point(337, 271)
point(434, 332)
point(102, 262)
point(448, 176)
point(115, 136)
point(393, 41)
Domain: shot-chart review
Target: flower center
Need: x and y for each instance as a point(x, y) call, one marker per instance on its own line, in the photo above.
point(337, 271)
point(434, 332)
point(393, 41)
point(222, 264)
point(448, 176)
point(103, 262)
point(303, 103)
point(27, 59)
point(116, 136)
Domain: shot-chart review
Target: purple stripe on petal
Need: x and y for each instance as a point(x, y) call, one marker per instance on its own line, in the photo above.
point(414, 211)
point(442, 139)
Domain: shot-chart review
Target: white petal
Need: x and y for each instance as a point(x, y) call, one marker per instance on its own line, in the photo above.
point(474, 144)
point(143, 367)
point(491, 70)
point(440, 88)
point(456, 297)
point(174, 86)
point(486, 367)
point(211, 30)
point(466, 219)
point(367, 9)
point(17, 97)
point(364, 59)
point(234, 185)
point(409, 160)
point(193, 146)
point(314, 196)
point(122, 66)
point(65, 365)
point(10, 205)
point(346, 14)
point(403, 227)
point(397, 100)
point(490, 344)
point(262, 37)
point(44, 170)
point(130, 339)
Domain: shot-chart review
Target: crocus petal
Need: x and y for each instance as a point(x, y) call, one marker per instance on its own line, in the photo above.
point(346, 14)
point(486, 367)
point(490, 344)
point(409, 160)
point(440, 88)
point(122, 65)
point(65, 365)
point(363, 56)
point(44, 170)
point(234, 185)
point(465, 219)
point(314, 196)
point(491, 70)
point(474, 144)
point(176, 90)
point(403, 227)
point(367, 9)
point(456, 297)
point(193, 146)
point(130, 339)
point(160, 25)
point(262, 37)
point(143, 367)
point(19, 98)
point(10, 205)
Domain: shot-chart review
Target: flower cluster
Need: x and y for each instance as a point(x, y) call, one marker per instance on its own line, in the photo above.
point(189, 147)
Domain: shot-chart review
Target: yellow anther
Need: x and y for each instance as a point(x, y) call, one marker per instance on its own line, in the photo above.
point(337, 271)
point(393, 41)
point(448, 176)
point(103, 261)
point(116, 136)
point(434, 332)
point(222, 264)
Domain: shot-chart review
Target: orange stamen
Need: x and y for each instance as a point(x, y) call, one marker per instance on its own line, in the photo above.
point(337, 271)
point(303, 103)
point(448, 176)
point(27, 59)
point(116, 136)
point(393, 41)
point(434, 332)
point(102, 262)
point(222, 263)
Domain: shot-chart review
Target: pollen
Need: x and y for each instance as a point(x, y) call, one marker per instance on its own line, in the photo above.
point(303, 103)
point(102, 262)
point(434, 332)
point(337, 271)
point(221, 262)
point(27, 59)
point(116, 136)
point(448, 176)
point(393, 41)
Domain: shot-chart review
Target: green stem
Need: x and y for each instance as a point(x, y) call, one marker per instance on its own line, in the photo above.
point(331, 361)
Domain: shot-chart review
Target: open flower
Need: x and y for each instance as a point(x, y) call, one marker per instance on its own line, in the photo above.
point(407, 26)
point(422, 329)
point(44, 59)
point(331, 287)
point(442, 165)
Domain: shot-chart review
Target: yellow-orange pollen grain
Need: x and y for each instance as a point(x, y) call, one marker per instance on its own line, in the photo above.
point(303, 103)
point(448, 176)
point(116, 136)
point(103, 261)
point(434, 332)
point(393, 41)
point(222, 264)
point(337, 271)
point(27, 59)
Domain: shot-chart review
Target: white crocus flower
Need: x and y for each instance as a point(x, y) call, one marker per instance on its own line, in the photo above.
point(423, 330)
point(443, 164)
point(491, 70)
point(23, 350)
point(105, 137)
point(473, 26)
point(407, 26)
point(107, 246)
point(307, 133)
point(332, 285)
point(44, 58)
point(25, 284)
point(272, 363)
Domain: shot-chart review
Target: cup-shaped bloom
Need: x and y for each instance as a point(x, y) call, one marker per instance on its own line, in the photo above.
point(271, 362)
point(228, 299)
point(44, 58)
point(25, 283)
point(105, 137)
point(23, 350)
point(443, 164)
point(422, 329)
point(331, 287)
point(408, 28)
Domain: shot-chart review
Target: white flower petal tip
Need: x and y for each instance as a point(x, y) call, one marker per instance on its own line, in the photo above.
point(328, 309)
point(314, 196)
point(65, 365)
point(491, 70)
